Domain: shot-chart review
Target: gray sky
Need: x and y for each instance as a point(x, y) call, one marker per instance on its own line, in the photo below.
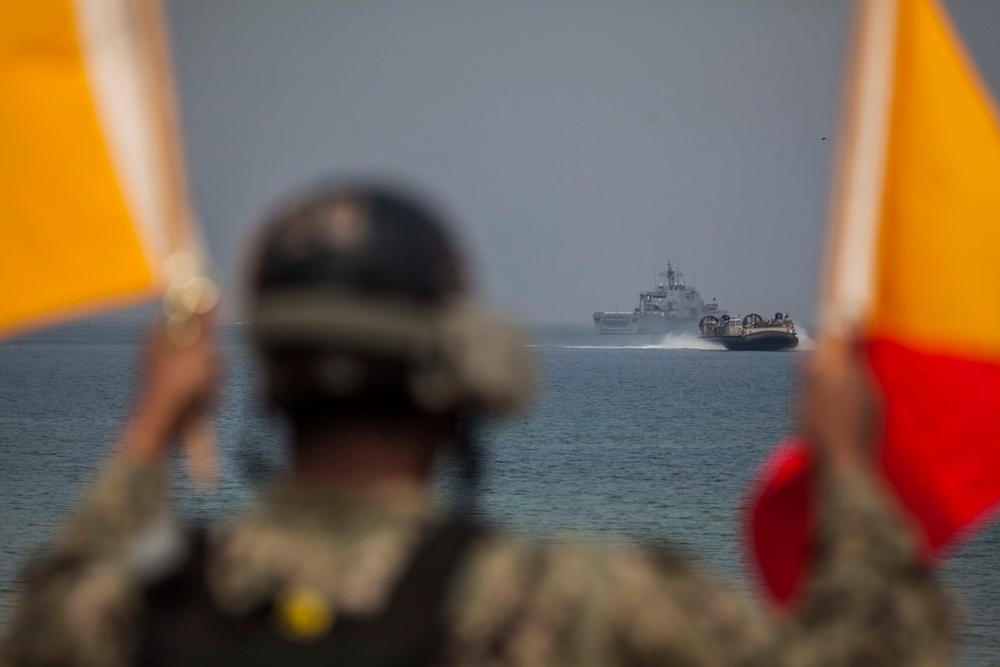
point(580, 144)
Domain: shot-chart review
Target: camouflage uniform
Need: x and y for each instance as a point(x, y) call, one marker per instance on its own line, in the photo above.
point(513, 602)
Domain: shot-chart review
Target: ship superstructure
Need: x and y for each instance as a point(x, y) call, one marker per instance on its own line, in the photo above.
point(673, 306)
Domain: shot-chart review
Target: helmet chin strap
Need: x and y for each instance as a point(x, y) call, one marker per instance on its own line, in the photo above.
point(470, 467)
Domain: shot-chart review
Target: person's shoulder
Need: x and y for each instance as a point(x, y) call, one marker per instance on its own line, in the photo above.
point(72, 610)
point(501, 556)
point(558, 600)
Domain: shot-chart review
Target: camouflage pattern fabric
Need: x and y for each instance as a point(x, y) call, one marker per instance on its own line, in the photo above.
point(514, 602)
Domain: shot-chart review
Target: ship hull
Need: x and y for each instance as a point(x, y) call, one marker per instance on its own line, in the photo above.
point(642, 324)
point(761, 341)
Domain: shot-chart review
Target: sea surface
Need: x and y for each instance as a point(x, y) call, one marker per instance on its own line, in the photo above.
point(649, 438)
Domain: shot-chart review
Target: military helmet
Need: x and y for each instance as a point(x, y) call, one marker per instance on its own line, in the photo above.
point(358, 293)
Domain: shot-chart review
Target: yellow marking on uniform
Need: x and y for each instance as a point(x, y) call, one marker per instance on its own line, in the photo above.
point(303, 614)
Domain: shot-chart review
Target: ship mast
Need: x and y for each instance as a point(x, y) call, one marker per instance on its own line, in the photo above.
point(669, 274)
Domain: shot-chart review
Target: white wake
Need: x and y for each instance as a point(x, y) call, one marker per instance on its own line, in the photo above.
point(681, 341)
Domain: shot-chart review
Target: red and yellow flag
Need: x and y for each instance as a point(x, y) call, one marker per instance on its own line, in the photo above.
point(915, 266)
point(92, 202)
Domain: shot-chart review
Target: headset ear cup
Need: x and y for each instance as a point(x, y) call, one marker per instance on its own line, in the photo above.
point(488, 356)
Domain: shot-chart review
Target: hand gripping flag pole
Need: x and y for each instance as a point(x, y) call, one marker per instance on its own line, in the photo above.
point(189, 291)
point(189, 295)
point(781, 511)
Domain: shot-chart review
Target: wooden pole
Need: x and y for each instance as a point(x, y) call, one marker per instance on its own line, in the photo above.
point(856, 195)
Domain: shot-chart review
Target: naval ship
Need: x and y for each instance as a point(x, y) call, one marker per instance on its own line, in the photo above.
point(672, 307)
point(753, 332)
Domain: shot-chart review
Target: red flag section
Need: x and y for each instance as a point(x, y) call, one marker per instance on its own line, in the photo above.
point(941, 453)
point(929, 307)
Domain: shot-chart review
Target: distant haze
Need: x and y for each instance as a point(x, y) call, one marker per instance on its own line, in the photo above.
point(579, 144)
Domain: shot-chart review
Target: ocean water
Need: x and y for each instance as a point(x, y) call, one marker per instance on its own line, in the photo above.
point(650, 438)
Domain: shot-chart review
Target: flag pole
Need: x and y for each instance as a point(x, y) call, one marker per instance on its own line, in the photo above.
point(189, 291)
point(176, 198)
point(855, 206)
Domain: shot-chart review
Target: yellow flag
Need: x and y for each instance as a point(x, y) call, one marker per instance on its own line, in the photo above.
point(938, 285)
point(915, 226)
point(91, 198)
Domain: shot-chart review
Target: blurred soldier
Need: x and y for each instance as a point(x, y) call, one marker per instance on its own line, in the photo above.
point(376, 354)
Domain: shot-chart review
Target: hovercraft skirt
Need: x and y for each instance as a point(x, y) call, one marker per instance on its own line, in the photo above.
point(763, 341)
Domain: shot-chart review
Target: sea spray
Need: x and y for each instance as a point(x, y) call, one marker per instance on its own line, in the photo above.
point(686, 341)
point(806, 342)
